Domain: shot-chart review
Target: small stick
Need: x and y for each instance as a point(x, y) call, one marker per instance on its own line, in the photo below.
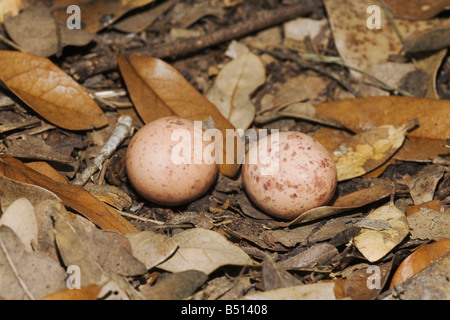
point(121, 132)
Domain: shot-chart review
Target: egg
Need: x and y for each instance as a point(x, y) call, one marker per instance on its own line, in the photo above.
point(290, 175)
point(164, 164)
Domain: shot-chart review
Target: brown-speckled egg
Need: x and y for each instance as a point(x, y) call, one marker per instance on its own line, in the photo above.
point(303, 175)
point(152, 170)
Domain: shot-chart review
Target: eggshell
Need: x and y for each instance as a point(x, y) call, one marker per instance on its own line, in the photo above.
point(303, 175)
point(152, 170)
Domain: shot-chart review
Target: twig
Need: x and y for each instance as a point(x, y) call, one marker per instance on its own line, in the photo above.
point(121, 132)
point(265, 19)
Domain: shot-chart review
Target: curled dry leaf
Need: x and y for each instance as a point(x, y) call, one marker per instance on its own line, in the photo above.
point(367, 113)
point(203, 250)
point(233, 87)
point(419, 259)
point(89, 292)
point(368, 150)
point(49, 91)
point(375, 244)
point(75, 197)
point(159, 90)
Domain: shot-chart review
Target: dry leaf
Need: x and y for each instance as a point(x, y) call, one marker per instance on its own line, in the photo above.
point(359, 46)
point(417, 9)
point(159, 90)
point(20, 217)
point(151, 248)
point(97, 14)
point(203, 250)
point(429, 224)
point(75, 197)
point(314, 291)
point(433, 205)
point(428, 40)
point(176, 286)
point(423, 184)
point(367, 113)
point(316, 255)
point(49, 91)
point(375, 244)
point(49, 38)
point(234, 85)
point(378, 190)
point(89, 292)
point(432, 283)
point(419, 259)
point(26, 275)
point(10, 6)
point(140, 21)
point(368, 150)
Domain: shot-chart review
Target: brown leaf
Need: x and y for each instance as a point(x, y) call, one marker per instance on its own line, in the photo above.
point(416, 9)
point(428, 40)
point(72, 196)
point(96, 14)
point(419, 259)
point(365, 113)
point(89, 292)
point(159, 90)
point(49, 91)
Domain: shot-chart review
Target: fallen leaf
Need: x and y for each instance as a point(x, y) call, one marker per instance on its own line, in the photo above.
point(419, 259)
point(151, 248)
point(429, 224)
point(431, 283)
point(89, 292)
point(49, 91)
point(203, 250)
point(274, 277)
point(233, 87)
point(140, 21)
point(47, 170)
point(80, 243)
point(313, 291)
point(417, 9)
point(359, 282)
point(176, 286)
point(368, 150)
point(303, 33)
point(10, 6)
point(423, 184)
point(26, 275)
point(159, 90)
point(97, 15)
point(316, 255)
point(304, 111)
point(49, 38)
point(375, 244)
point(20, 217)
point(428, 40)
point(433, 205)
point(367, 113)
point(359, 46)
point(75, 197)
point(378, 190)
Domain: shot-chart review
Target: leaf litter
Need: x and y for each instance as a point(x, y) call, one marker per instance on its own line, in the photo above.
point(393, 192)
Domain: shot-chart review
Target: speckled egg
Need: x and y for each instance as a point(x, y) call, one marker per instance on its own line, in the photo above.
point(160, 162)
point(296, 175)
